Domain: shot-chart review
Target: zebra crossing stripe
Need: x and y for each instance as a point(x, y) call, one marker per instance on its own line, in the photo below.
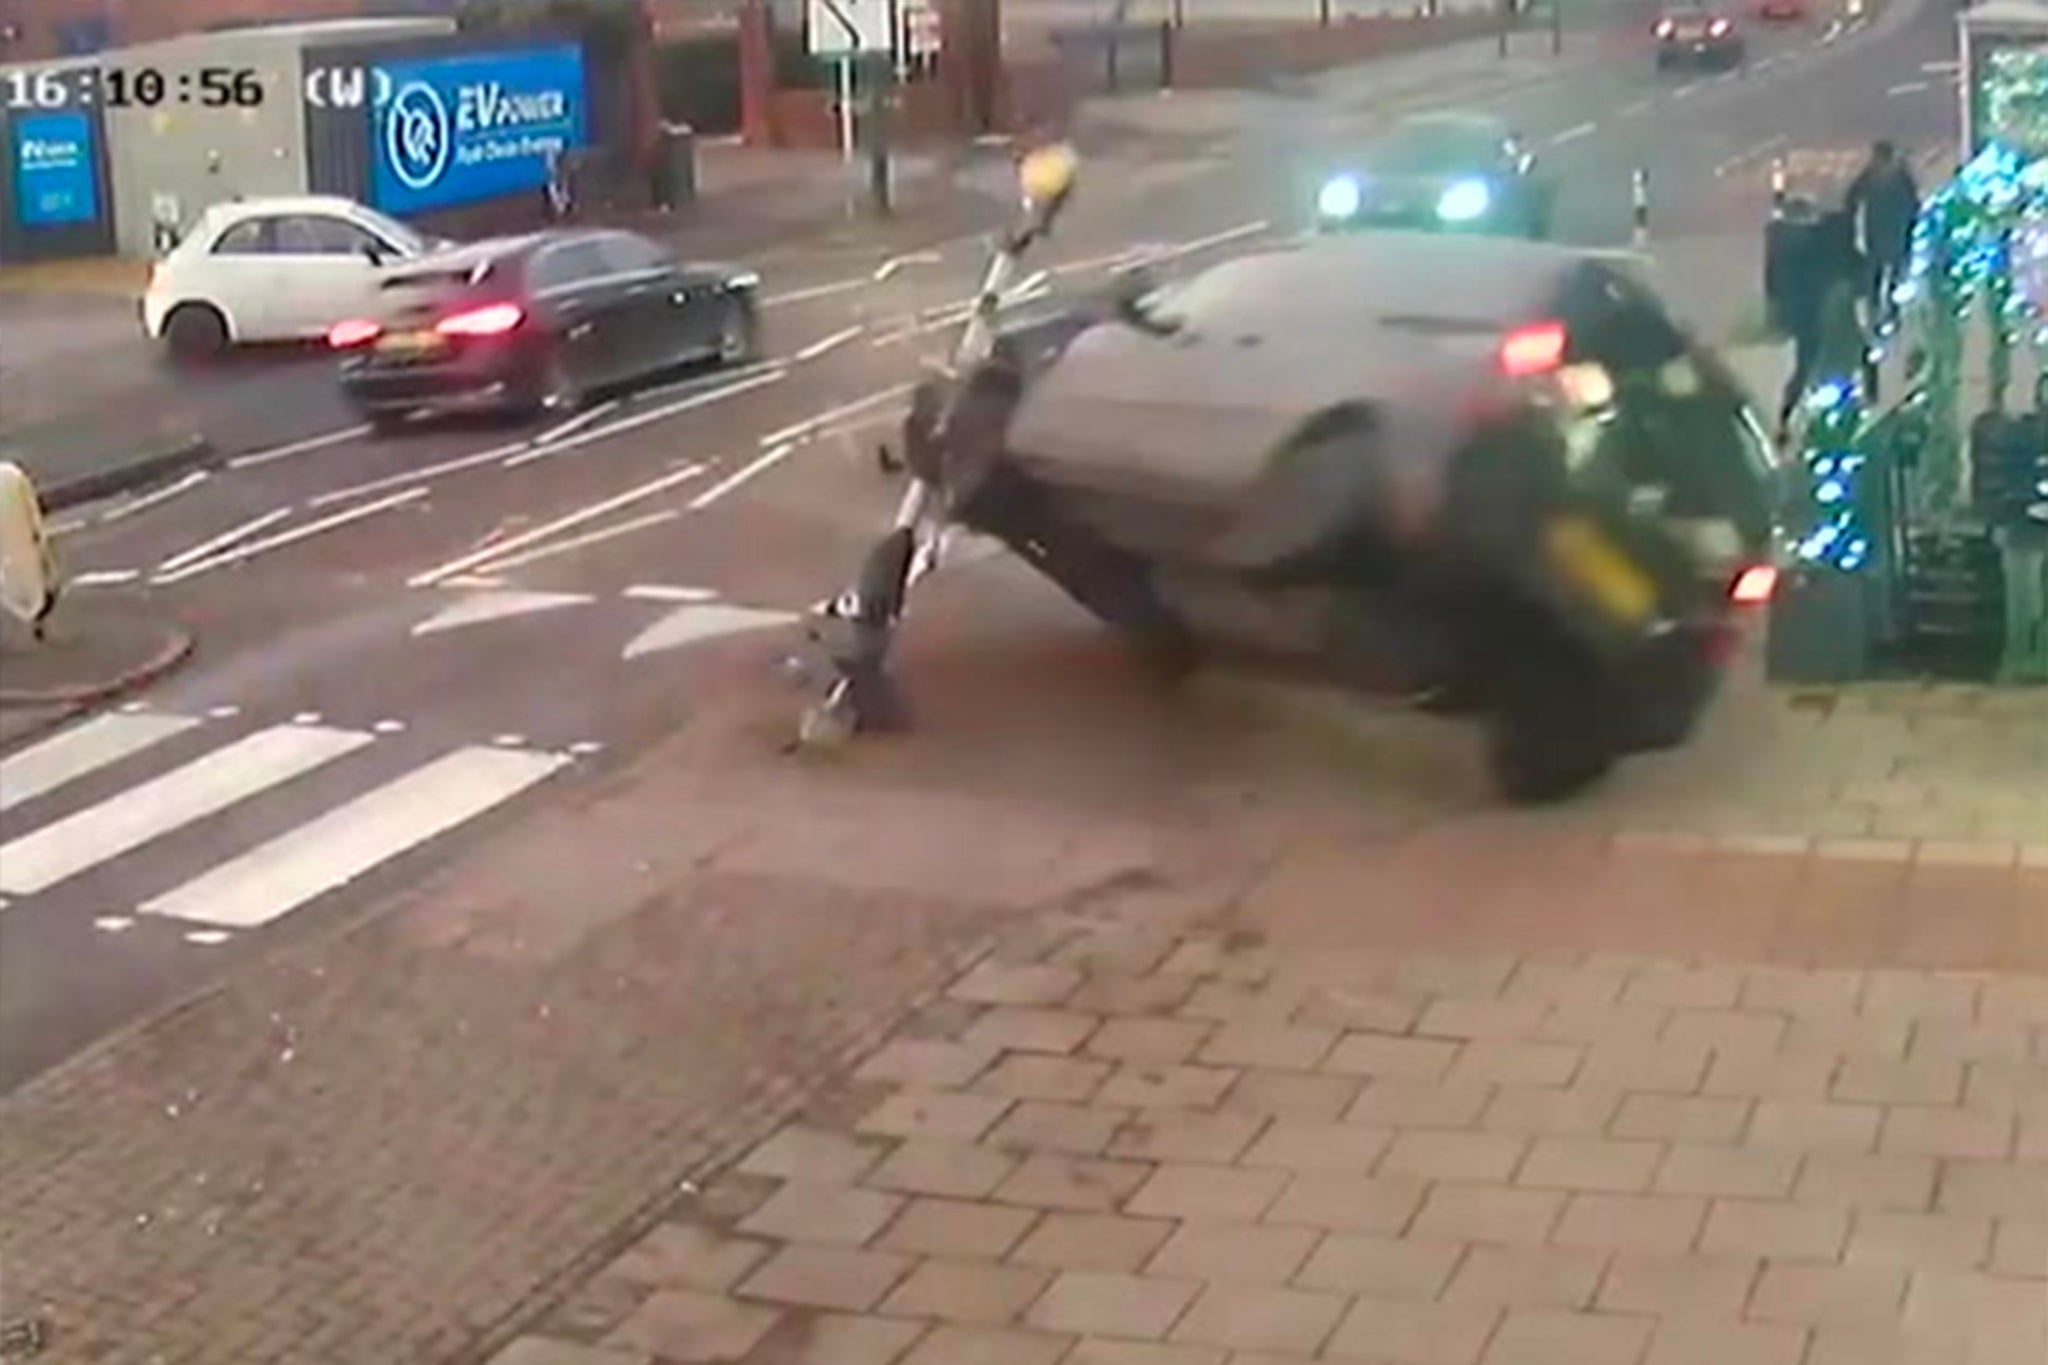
point(278, 877)
point(96, 744)
point(183, 796)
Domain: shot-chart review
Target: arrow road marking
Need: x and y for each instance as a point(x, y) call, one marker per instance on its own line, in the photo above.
point(696, 624)
point(496, 606)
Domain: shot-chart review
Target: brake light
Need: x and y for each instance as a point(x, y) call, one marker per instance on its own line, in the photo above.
point(1536, 349)
point(492, 320)
point(1754, 586)
point(351, 333)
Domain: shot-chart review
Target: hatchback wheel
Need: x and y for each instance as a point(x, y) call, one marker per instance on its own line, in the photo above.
point(195, 332)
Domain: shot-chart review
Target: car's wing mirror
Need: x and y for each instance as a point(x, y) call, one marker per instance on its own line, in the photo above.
point(1130, 295)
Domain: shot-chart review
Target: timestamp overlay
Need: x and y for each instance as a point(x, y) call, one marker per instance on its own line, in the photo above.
point(131, 87)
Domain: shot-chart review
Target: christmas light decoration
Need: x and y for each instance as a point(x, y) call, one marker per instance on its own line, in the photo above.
point(1836, 535)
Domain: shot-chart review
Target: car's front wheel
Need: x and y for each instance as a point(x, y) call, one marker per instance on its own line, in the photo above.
point(195, 333)
point(739, 335)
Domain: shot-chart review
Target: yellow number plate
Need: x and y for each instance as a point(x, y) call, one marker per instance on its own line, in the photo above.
point(409, 343)
point(1597, 565)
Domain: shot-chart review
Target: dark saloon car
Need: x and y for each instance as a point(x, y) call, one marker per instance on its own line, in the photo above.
point(1696, 36)
point(531, 325)
point(1444, 173)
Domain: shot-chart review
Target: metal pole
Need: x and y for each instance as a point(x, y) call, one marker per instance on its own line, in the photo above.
point(1639, 199)
point(1323, 12)
point(1180, 17)
point(878, 135)
point(846, 108)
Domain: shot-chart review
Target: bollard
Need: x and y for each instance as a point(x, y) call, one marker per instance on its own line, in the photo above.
point(1639, 200)
point(1777, 187)
point(28, 567)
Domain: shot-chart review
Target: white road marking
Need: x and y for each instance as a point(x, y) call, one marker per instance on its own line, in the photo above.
point(578, 422)
point(1682, 91)
point(104, 578)
point(1570, 135)
point(239, 553)
point(1635, 107)
point(894, 264)
point(389, 727)
point(225, 712)
point(760, 465)
point(585, 747)
point(826, 345)
point(305, 447)
point(471, 580)
point(635, 421)
point(1947, 68)
point(326, 854)
point(1909, 88)
point(586, 540)
point(1744, 157)
point(306, 718)
point(149, 500)
point(492, 554)
point(693, 625)
point(86, 749)
point(817, 291)
point(1213, 240)
point(497, 606)
point(183, 796)
point(113, 924)
point(206, 938)
point(1088, 263)
point(417, 476)
point(798, 430)
point(662, 592)
point(509, 741)
point(227, 537)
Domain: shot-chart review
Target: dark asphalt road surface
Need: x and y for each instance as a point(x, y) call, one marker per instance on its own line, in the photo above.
point(413, 642)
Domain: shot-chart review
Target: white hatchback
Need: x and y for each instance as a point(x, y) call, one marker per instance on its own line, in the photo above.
point(274, 269)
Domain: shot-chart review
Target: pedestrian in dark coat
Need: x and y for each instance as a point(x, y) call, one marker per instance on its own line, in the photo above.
point(1885, 199)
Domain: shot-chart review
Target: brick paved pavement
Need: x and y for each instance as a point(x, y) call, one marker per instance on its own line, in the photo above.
point(1241, 1147)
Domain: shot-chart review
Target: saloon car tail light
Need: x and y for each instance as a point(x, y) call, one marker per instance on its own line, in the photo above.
point(1536, 349)
point(1754, 586)
point(491, 320)
point(351, 333)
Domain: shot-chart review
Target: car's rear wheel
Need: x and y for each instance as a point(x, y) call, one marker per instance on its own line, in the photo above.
point(554, 391)
point(1549, 737)
point(195, 333)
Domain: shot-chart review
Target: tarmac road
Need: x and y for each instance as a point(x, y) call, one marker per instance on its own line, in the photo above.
point(410, 643)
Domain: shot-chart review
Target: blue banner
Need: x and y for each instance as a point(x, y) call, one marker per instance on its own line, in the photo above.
point(480, 125)
point(55, 179)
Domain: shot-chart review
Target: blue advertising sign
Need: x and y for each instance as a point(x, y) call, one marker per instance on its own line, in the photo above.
point(479, 125)
point(55, 180)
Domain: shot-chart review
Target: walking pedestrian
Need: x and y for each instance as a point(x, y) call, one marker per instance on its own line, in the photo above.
point(1815, 281)
point(1885, 199)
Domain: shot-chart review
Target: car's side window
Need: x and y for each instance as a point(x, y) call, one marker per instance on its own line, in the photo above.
point(250, 237)
point(321, 235)
point(568, 264)
point(626, 254)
